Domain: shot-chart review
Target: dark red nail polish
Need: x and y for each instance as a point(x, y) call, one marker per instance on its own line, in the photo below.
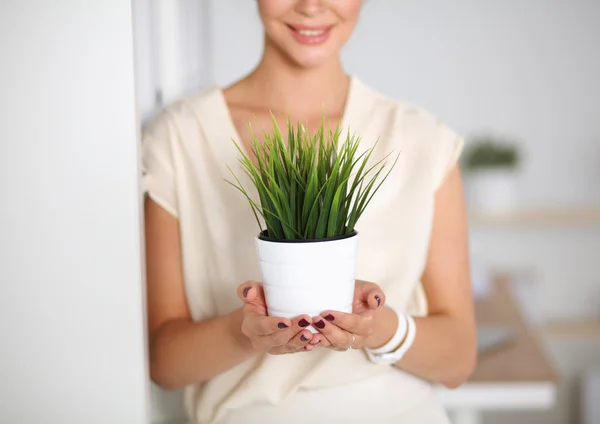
point(282, 325)
point(378, 299)
point(320, 324)
point(329, 317)
point(246, 290)
point(303, 323)
point(302, 338)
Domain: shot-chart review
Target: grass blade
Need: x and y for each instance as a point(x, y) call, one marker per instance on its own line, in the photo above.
point(314, 186)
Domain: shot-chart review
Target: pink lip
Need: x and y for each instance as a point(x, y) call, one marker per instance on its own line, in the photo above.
point(310, 39)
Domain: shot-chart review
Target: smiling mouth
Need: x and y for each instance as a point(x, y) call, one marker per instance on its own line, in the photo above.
point(311, 32)
point(310, 35)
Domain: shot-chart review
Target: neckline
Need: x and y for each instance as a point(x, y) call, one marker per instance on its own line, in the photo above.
point(220, 132)
point(347, 120)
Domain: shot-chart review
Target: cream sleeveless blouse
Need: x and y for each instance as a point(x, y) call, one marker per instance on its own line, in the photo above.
point(186, 151)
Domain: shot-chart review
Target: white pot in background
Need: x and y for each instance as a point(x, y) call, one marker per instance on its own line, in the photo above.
point(308, 277)
point(492, 190)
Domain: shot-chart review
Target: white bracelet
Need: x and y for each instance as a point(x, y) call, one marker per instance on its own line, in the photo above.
point(408, 342)
point(408, 334)
point(396, 338)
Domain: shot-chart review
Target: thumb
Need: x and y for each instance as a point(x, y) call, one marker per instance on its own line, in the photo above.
point(375, 299)
point(250, 292)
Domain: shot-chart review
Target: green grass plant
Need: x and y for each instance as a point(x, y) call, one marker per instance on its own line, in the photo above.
point(315, 186)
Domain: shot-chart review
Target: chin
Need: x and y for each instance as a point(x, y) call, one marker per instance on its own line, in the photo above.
point(312, 57)
point(310, 62)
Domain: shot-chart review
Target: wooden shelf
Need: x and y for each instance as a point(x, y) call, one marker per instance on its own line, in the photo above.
point(538, 216)
point(585, 329)
point(522, 360)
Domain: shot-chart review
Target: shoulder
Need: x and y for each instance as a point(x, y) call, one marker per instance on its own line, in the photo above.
point(421, 133)
point(407, 117)
point(188, 110)
point(174, 123)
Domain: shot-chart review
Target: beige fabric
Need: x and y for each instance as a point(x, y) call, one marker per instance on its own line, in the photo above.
point(389, 398)
point(186, 151)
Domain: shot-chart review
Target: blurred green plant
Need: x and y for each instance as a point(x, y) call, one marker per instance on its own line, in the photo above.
point(490, 152)
point(313, 187)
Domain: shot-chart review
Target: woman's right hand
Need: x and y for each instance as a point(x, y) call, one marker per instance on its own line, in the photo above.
point(274, 335)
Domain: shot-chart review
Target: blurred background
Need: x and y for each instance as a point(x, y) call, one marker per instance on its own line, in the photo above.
point(520, 80)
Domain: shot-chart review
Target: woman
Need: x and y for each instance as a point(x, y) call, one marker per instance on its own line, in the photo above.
point(212, 335)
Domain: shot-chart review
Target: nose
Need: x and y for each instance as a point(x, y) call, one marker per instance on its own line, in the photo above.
point(310, 7)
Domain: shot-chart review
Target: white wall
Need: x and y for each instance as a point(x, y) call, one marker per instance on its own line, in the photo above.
point(71, 292)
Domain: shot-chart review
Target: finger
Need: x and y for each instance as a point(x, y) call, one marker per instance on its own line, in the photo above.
point(338, 338)
point(319, 340)
point(297, 344)
point(365, 287)
point(358, 343)
point(265, 325)
point(282, 338)
point(370, 293)
point(256, 321)
point(251, 291)
point(299, 341)
point(291, 329)
point(252, 294)
point(309, 347)
point(281, 329)
point(375, 298)
point(357, 324)
point(301, 322)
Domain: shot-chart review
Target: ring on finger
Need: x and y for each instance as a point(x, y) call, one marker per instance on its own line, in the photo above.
point(353, 340)
point(344, 349)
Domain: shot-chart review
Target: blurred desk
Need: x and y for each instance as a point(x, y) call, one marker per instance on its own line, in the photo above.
point(515, 375)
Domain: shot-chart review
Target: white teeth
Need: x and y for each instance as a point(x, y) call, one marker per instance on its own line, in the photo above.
point(311, 32)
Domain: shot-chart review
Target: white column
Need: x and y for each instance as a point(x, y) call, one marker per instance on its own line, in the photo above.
point(72, 326)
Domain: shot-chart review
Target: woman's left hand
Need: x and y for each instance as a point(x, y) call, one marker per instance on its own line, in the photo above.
point(341, 331)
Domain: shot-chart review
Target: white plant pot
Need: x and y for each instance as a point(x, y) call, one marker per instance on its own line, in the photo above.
point(492, 190)
point(308, 277)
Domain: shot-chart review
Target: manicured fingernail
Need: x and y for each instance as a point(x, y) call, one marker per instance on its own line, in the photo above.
point(246, 290)
point(317, 342)
point(282, 325)
point(329, 317)
point(320, 324)
point(378, 299)
point(302, 338)
point(303, 323)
